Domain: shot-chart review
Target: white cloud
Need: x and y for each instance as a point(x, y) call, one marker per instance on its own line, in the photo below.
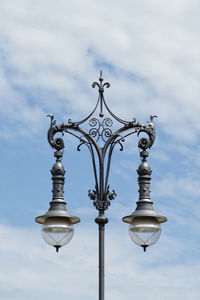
point(31, 269)
point(46, 47)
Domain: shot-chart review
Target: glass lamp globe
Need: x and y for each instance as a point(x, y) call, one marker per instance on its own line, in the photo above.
point(145, 231)
point(57, 232)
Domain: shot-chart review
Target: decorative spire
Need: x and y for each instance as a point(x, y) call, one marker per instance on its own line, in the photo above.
point(101, 91)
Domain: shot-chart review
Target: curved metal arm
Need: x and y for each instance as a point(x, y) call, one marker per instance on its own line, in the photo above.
point(89, 145)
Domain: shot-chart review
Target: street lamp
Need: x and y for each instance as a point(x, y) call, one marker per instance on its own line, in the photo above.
point(101, 139)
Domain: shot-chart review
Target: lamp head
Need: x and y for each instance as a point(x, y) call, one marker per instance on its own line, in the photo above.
point(57, 231)
point(144, 228)
point(57, 225)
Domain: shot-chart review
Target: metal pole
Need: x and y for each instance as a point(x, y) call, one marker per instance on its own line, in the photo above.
point(101, 220)
point(101, 261)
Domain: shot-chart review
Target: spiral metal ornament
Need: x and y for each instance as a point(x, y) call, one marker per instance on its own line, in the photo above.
point(56, 143)
point(119, 142)
point(94, 132)
point(100, 129)
point(143, 143)
point(94, 122)
point(95, 84)
point(107, 122)
point(106, 84)
point(149, 129)
point(106, 133)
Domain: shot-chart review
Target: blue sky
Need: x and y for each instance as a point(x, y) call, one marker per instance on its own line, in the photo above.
point(50, 53)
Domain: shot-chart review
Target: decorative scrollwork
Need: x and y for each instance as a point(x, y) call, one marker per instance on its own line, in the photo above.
point(134, 120)
point(95, 84)
point(106, 133)
point(143, 143)
point(111, 195)
point(81, 144)
point(119, 142)
point(94, 133)
point(100, 129)
point(57, 143)
point(107, 122)
point(149, 129)
point(93, 122)
point(102, 204)
point(92, 194)
point(100, 85)
point(106, 84)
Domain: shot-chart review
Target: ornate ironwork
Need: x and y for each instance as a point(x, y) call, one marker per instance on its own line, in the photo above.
point(58, 177)
point(102, 205)
point(101, 129)
point(144, 177)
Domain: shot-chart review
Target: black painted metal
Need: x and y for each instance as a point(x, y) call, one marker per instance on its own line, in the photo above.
point(101, 133)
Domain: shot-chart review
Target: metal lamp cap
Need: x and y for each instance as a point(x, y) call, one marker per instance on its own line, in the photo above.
point(57, 214)
point(144, 213)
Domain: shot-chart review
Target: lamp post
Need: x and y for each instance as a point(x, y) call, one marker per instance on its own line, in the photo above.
point(101, 139)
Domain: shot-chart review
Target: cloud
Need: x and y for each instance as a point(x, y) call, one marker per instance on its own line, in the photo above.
point(33, 269)
point(56, 55)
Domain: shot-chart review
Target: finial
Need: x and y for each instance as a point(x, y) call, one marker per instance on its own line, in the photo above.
point(101, 91)
point(144, 247)
point(57, 247)
point(100, 78)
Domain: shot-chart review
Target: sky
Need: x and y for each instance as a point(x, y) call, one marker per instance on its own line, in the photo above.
point(50, 54)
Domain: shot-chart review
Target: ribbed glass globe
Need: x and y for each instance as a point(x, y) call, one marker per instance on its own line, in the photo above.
point(57, 232)
point(145, 231)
